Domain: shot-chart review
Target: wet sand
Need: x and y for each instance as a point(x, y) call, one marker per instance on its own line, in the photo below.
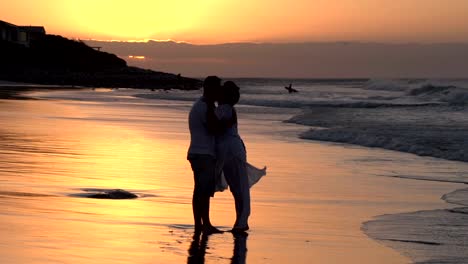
point(17, 91)
point(308, 209)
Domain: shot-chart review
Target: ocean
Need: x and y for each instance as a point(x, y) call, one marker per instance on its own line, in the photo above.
point(354, 167)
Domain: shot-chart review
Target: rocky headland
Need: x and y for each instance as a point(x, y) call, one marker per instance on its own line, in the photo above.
point(55, 60)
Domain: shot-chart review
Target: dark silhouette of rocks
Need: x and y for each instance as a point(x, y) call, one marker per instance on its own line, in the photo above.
point(55, 60)
point(113, 194)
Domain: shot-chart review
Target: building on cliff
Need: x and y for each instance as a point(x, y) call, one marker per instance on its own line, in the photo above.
point(20, 34)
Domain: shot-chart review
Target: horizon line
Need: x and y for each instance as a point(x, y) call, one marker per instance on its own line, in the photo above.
point(274, 43)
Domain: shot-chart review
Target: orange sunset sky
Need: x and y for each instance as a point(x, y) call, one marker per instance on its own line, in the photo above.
point(219, 21)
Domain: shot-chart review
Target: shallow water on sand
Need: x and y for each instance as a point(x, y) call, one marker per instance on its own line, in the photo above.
point(308, 209)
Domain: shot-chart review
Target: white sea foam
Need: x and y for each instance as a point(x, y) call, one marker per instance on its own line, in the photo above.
point(445, 91)
point(387, 85)
point(458, 197)
point(449, 94)
point(373, 137)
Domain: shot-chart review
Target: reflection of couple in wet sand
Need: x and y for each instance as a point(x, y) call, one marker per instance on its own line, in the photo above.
point(218, 156)
point(199, 245)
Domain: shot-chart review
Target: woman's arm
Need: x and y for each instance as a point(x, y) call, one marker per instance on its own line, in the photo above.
point(219, 119)
point(213, 123)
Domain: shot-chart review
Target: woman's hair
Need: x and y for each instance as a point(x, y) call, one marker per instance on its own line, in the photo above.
point(231, 93)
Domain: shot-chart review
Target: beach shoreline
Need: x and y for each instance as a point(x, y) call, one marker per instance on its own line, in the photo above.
point(18, 91)
point(321, 200)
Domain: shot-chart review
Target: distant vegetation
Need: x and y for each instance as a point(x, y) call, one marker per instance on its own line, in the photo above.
point(60, 61)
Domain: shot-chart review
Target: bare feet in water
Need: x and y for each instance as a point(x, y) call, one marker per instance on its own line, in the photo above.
point(240, 229)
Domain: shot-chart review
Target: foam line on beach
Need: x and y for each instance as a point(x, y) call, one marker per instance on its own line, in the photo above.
point(436, 236)
point(428, 178)
point(458, 197)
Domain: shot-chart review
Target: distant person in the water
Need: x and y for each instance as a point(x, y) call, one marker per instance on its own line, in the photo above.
point(290, 89)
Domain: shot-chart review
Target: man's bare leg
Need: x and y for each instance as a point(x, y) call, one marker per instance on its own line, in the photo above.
point(208, 228)
point(197, 215)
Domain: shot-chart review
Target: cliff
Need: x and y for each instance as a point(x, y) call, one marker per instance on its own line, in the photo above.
point(55, 60)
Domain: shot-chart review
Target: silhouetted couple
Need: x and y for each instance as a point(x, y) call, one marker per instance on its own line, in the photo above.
point(217, 155)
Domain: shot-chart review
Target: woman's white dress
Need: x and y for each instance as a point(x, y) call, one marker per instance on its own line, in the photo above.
point(230, 143)
point(232, 167)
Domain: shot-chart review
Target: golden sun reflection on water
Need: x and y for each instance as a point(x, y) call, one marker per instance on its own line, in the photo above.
point(55, 149)
point(136, 57)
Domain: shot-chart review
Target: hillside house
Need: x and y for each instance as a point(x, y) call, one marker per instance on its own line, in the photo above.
point(20, 34)
point(8, 32)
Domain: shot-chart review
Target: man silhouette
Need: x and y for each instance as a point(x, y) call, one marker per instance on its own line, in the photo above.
point(202, 155)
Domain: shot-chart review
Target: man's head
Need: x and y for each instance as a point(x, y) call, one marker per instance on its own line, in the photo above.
point(211, 87)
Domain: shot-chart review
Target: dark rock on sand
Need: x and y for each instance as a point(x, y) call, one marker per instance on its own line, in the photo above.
point(113, 194)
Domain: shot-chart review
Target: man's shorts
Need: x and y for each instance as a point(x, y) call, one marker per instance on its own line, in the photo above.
point(204, 173)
